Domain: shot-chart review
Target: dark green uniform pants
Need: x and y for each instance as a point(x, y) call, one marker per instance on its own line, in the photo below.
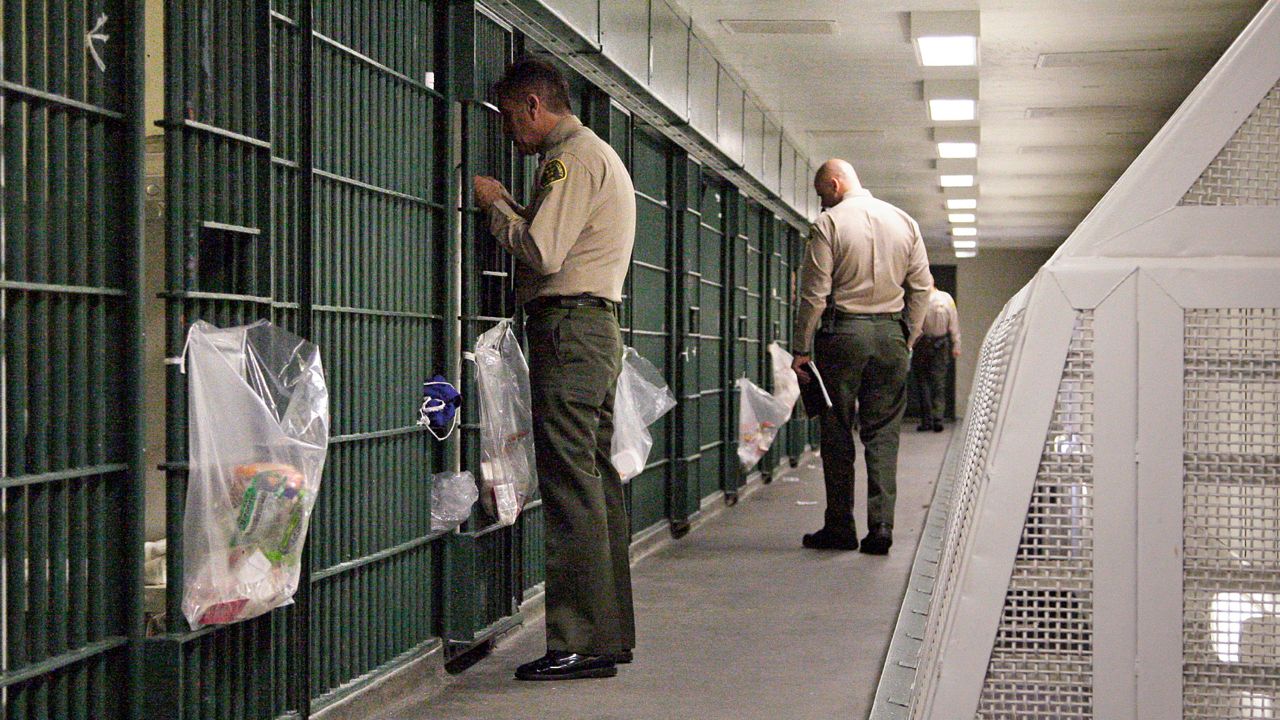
point(929, 362)
point(575, 356)
point(864, 367)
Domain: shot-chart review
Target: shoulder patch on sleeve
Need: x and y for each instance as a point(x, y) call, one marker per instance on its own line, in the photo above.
point(552, 172)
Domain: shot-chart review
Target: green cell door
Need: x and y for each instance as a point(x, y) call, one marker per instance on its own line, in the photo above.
point(488, 567)
point(706, 420)
point(70, 301)
point(308, 184)
point(748, 305)
point(647, 307)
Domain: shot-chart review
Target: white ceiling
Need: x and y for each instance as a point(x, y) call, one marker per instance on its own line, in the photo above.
point(857, 94)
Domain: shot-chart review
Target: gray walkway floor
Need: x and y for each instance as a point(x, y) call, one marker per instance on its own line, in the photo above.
point(735, 620)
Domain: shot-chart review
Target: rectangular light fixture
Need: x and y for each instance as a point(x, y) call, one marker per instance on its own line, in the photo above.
point(964, 231)
point(943, 51)
point(951, 100)
point(966, 253)
point(962, 203)
point(952, 110)
point(962, 218)
point(964, 244)
point(957, 150)
point(945, 39)
point(956, 180)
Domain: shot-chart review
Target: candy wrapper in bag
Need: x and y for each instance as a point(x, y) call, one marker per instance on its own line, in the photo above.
point(641, 398)
point(258, 432)
point(760, 415)
point(508, 471)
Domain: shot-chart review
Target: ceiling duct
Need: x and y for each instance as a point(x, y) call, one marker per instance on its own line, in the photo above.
point(779, 27)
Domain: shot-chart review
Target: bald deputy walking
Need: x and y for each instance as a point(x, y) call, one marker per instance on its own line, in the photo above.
point(573, 246)
point(850, 322)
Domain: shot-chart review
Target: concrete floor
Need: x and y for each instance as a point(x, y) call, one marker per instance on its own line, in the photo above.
point(735, 620)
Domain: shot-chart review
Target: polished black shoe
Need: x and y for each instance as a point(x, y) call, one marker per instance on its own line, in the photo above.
point(937, 426)
point(878, 541)
point(924, 426)
point(559, 665)
point(827, 539)
point(622, 658)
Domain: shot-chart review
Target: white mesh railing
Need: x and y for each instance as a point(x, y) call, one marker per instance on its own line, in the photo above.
point(1247, 170)
point(980, 420)
point(1042, 662)
point(1231, 512)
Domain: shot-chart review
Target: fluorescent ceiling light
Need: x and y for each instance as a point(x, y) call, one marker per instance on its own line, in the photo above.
point(964, 231)
point(945, 38)
point(964, 244)
point(957, 150)
point(952, 110)
point(956, 180)
point(943, 51)
point(966, 253)
point(962, 204)
point(962, 218)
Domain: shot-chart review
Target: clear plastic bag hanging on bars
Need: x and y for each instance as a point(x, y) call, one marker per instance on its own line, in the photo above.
point(258, 433)
point(508, 471)
point(641, 398)
point(760, 415)
point(786, 386)
point(452, 495)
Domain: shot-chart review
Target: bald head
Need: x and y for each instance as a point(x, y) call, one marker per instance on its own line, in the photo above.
point(835, 178)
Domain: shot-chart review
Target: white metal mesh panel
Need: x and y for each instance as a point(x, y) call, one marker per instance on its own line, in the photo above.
point(1247, 170)
point(1231, 514)
point(1042, 661)
point(980, 420)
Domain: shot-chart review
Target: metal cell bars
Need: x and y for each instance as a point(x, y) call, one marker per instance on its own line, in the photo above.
point(1247, 169)
point(68, 289)
point(380, 239)
point(984, 401)
point(1231, 514)
point(709, 330)
point(649, 305)
point(1042, 661)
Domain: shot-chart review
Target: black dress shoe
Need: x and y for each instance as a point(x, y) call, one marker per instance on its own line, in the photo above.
point(937, 426)
point(559, 665)
point(828, 539)
point(924, 426)
point(622, 658)
point(878, 541)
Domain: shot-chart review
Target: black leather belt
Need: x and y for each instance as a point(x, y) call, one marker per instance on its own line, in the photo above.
point(842, 322)
point(567, 302)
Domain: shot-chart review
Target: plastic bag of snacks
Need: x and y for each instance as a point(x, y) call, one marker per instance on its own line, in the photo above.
point(508, 471)
point(760, 415)
point(258, 432)
point(641, 398)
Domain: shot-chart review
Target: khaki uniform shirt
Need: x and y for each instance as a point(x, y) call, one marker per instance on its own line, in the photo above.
point(575, 238)
point(859, 254)
point(942, 319)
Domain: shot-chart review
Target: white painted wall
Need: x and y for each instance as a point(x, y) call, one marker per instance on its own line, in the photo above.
point(983, 285)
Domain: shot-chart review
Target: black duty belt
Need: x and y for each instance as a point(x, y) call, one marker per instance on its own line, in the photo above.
point(567, 302)
point(841, 322)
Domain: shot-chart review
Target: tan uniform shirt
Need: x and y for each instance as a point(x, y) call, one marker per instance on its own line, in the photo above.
point(942, 319)
point(859, 254)
point(575, 238)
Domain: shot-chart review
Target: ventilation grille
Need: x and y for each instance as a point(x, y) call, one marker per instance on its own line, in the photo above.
point(1101, 58)
point(980, 421)
point(1247, 170)
point(1231, 514)
point(1042, 661)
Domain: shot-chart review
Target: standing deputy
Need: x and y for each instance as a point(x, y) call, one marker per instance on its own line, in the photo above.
point(931, 358)
point(860, 252)
point(573, 246)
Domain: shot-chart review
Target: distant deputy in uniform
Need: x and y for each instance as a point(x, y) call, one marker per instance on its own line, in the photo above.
point(931, 358)
point(573, 245)
point(861, 251)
